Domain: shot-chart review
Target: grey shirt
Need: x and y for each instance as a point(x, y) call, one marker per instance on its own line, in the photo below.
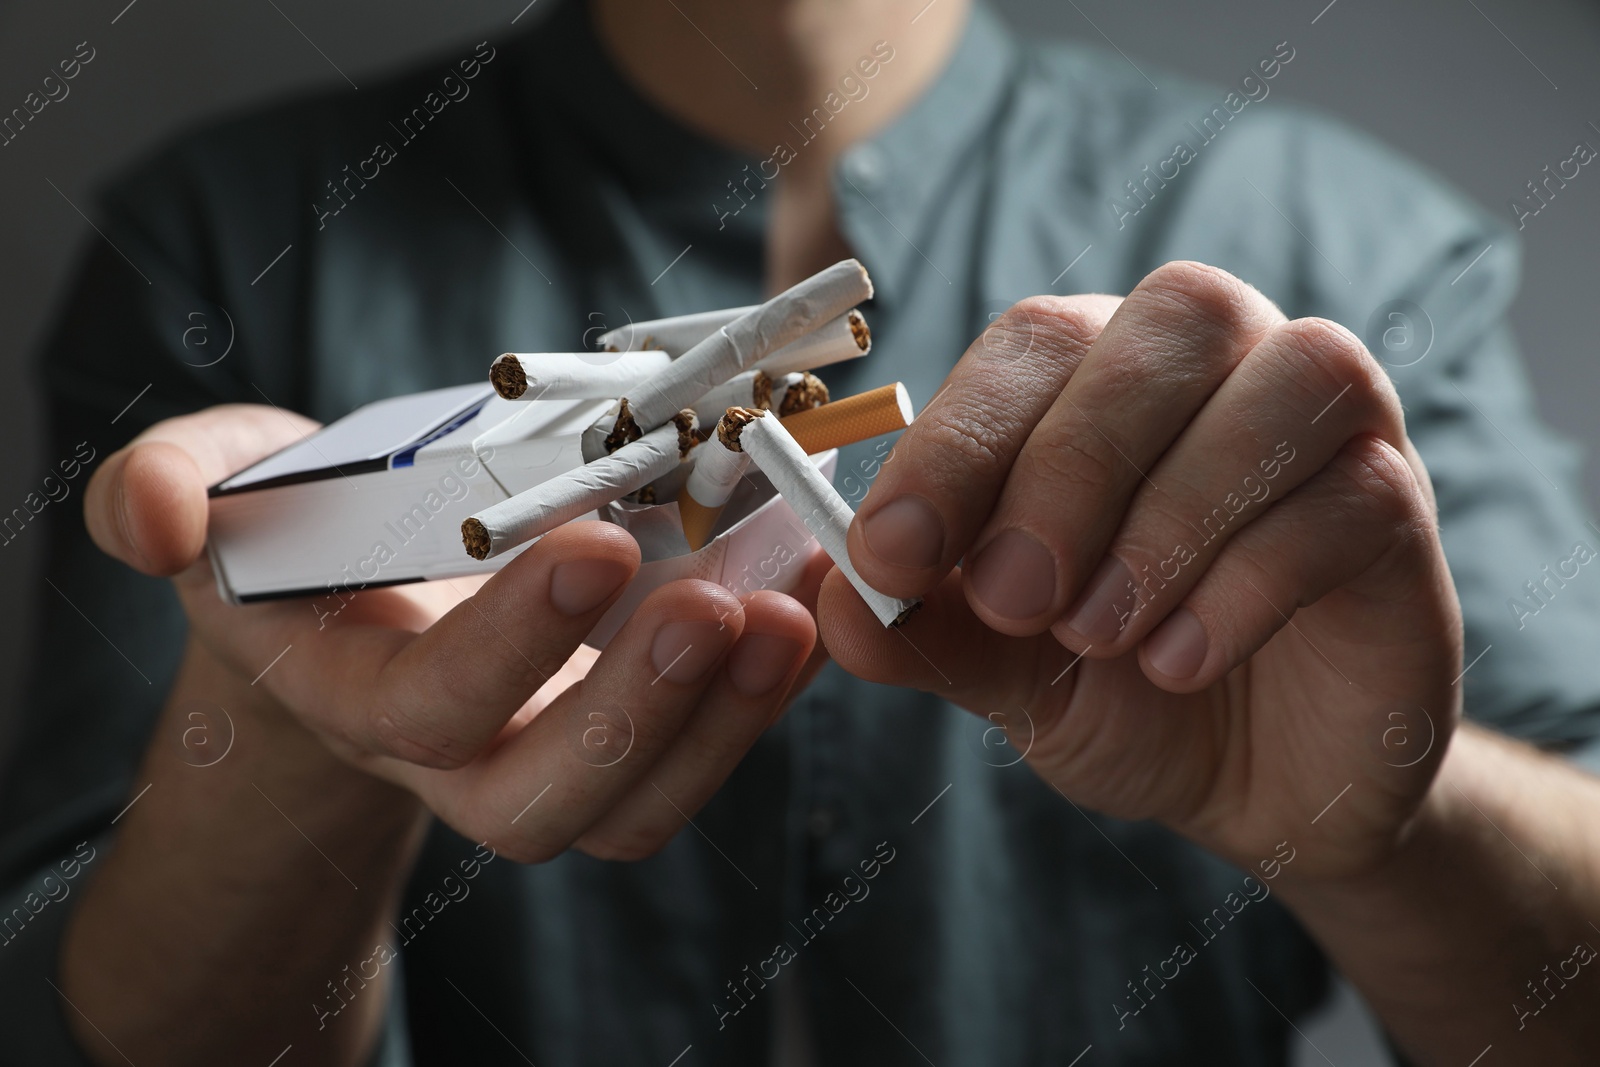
point(523, 206)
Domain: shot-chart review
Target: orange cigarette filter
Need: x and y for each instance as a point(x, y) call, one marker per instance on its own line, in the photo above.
point(852, 419)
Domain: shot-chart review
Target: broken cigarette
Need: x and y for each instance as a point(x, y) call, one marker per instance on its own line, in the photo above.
point(565, 497)
point(814, 499)
point(852, 419)
point(572, 375)
point(738, 346)
point(718, 466)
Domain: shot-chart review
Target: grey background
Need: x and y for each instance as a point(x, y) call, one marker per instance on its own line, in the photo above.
point(1484, 92)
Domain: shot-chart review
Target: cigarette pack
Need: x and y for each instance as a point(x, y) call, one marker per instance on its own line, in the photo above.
point(378, 498)
point(456, 481)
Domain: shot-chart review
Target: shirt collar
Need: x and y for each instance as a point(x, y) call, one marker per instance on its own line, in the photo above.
point(887, 187)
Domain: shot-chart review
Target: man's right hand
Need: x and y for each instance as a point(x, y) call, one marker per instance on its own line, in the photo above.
point(473, 694)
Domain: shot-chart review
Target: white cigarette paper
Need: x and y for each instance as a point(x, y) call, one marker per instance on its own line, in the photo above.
point(752, 389)
point(716, 473)
point(737, 346)
point(718, 466)
point(573, 375)
point(843, 337)
point(835, 341)
point(826, 514)
point(565, 497)
point(674, 335)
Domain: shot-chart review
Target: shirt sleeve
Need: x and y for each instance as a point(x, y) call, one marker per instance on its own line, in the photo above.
point(1519, 538)
point(1427, 280)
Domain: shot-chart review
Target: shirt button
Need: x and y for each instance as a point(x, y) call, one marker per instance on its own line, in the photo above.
point(819, 823)
point(866, 164)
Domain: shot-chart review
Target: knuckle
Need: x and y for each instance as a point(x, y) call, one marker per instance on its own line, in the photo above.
point(1181, 511)
point(528, 666)
point(1061, 326)
point(654, 728)
point(962, 434)
point(1386, 488)
point(1339, 357)
point(1218, 299)
point(405, 736)
point(1069, 462)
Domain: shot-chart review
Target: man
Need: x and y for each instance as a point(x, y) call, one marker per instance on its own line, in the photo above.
point(1205, 601)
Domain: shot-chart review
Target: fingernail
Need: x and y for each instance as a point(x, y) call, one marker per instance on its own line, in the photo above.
point(1014, 576)
point(683, 651)
point(760, 661)
point(1107, 603)
point(582, 585)
point(1178, 647)
point(906, 532)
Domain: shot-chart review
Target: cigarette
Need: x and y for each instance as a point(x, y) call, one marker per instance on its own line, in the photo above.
point(738, 346)
point(839, 339)
point(788, 393)
point(565, 497)
point(675, 335)
point(815, 500)
point(572, 375)
point(718, 466)
point(852, 419)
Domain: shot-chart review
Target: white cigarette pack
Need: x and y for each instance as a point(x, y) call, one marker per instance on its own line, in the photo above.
point(378, 497)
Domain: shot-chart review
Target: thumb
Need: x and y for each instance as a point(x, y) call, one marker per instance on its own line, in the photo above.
point(146, 504)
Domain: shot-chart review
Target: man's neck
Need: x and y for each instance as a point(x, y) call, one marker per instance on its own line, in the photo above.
point(795, 81)
point(740, 71)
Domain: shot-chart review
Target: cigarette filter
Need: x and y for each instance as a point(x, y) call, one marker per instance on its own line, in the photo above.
point(737, 346)
point(854, 418)
point(817, 502)
point(572, 375)
point(580, 490)
point(718, 466)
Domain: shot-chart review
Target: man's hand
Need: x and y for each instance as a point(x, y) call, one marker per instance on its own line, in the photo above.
point(1219, 512)
point(469, 698)
point(454, 690)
